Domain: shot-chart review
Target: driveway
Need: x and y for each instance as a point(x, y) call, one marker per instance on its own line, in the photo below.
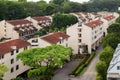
point(90, 73)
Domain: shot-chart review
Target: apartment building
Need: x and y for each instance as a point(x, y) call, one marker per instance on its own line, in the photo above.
point(85, 37)
point(41, 21)
point(14, 29)
point(49, 39)
point(113, 72)
point(8, 52)
point(108, 18)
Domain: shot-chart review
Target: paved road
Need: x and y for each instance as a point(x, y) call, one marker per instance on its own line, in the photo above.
point(62, 74)
point(90, 73)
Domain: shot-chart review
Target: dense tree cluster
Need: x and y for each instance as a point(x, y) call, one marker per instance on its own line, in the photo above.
point(44, 60)
point(13, 9)
point(102, 66)
point(61, 21)
point(113, 37)
point(109, 43)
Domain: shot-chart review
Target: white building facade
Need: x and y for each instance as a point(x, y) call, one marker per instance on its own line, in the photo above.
point(8, 52)
point(59, 38)
point(15, 29)
point(113, 72)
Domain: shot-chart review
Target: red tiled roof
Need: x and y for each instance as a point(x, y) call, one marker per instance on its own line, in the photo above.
point(55, 37)
point(109, 17)
point(6, 46)
point(94, 23)
point(40, 18)
point(19, 22)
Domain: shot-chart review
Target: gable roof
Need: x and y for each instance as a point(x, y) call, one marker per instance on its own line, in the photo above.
point(41, 18)
point(55, 37)
point(6, 46)
point(19, 22)
point(94, 23)
point(109, 17)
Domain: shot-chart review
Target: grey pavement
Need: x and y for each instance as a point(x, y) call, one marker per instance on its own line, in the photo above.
point(89, 74)
point(62, 74)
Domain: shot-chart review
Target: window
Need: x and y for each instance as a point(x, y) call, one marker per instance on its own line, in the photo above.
point(17, 50)
point(118, 67)
point(12, 61)
point(80, 30)
point(25, 48)
point(79, 46)
point(12, 53)
point(1, 56)
point(79, 35)
point(17, 67)
point(79, 40)
point(12, 69)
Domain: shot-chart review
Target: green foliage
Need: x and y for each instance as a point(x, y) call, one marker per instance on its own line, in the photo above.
point(82, 65)
point(41, 32)
point(3, 69)
point(112, 40)
point(61, 21)
point(106, 55)
point(101, 68)
point(114, 28)
point(118, 20)
point(99, 77)
point(53, 56)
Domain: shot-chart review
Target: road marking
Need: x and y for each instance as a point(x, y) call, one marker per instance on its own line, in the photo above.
point(90, 73)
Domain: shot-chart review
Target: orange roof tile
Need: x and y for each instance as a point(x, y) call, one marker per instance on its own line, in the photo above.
point(94, 23)
point(55, 37)
point(109, 17)
point(19, 22)
point(40, 18)
point(6, 46)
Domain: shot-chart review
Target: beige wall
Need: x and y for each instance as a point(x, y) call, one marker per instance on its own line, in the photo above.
point(7, 61)
point(72, 31)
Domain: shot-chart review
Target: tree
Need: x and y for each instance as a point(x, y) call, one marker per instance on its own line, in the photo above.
point(58, 2)
point(114, 28)
point(112, 40)
point(101, 68)
point(41, 32)
point(3, 69)
point(106, 55)
point(63, 20)
point(51, 56)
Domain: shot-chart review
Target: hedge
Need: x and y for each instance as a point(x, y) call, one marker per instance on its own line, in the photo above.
point(84, 63)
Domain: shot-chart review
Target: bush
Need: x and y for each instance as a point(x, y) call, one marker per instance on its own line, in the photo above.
point(99, 77)
point(84, 63)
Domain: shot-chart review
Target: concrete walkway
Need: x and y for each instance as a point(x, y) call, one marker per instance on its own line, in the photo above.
point(90, 73)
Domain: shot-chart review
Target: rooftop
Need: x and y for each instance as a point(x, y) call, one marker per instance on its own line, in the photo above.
point(55, 37)
point(7, 46)
point(110, 17)
point(19, 22)
point(94, 23)
point(41, 18)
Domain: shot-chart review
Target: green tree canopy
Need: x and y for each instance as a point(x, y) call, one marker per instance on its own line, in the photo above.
point(3, 69)
point(62, 21)
point(114, 28)
point(106, 55)
point(52, 56)
point(112, 40)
